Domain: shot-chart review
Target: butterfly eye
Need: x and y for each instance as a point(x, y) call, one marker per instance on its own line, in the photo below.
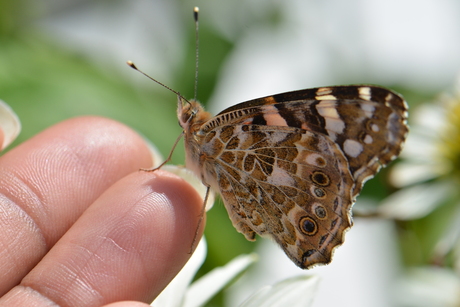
point(190, 116)
point(187, 114)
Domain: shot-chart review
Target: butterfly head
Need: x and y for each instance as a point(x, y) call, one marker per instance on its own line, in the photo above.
point(191, 114)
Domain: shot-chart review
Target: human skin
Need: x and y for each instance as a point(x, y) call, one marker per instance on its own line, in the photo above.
point(80, 225)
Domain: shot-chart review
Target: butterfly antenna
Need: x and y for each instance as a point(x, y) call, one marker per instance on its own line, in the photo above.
point(195, 16)
point(131, 64)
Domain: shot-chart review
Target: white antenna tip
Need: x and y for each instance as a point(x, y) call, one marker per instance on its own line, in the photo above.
point(131, 64)
point(195, 13)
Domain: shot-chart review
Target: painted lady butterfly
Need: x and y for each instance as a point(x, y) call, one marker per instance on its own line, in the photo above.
point(290, 166)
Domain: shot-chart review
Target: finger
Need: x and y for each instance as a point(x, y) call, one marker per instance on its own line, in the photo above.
point(127, 246)
point(47, 182)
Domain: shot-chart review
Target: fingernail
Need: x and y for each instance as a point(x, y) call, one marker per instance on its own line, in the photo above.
point(9, 124)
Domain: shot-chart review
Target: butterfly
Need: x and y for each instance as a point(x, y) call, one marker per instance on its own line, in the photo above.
point(289, 166)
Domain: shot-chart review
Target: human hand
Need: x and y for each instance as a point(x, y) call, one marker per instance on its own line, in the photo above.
point(81, 226)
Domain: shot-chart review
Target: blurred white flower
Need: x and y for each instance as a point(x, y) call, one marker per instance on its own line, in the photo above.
point(430, 166)
point(432, 148)
point(10, 126)
point(429, 175)
point(181, 292)
point(297, 291)
point(427, 287)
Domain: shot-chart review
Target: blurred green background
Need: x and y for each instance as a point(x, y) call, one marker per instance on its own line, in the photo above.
point(64, 59)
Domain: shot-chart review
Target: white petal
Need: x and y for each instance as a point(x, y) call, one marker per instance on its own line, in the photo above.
point(207, 286)
point(9, 124)
point(173, 294)
point(409, 172)
point(430, 116)
point(421, 144)
point(451, 237)
point(457, 258)
point(293, 292)
point(415, 202)
point(428, 287)
point(157, 157)
point(190, 177)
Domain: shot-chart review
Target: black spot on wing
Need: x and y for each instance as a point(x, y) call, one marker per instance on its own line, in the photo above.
point(288, 116)
point(304, 113)
point(259, 120)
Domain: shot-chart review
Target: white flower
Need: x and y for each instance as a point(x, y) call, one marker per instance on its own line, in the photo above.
point(427, 287)
point(429, 177)
point(298, 291)
point(181, 292)
point(430, 169)
point(10, 126)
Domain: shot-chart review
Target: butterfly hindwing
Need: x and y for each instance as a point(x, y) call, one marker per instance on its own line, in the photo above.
point(286, 183)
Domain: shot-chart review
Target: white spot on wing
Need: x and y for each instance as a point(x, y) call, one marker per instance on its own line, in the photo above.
point(313, 158)
point(352, 148)
point(327, 109)
point(323, 91)
point(335, 125)
point(368, 109)
point(388, 97)
point(326, 97)
point(277, 137)
point(279, 176)
point(365, 93)
point(273, 118)
point(368, 139)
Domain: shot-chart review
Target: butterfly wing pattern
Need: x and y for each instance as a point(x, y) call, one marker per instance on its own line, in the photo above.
point(290, 166)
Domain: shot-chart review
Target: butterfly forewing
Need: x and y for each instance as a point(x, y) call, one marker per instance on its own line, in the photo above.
point(289, 166)
point(367, 122)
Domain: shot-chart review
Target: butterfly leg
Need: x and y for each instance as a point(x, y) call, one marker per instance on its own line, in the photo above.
point(202, 212)
point(167, 159)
